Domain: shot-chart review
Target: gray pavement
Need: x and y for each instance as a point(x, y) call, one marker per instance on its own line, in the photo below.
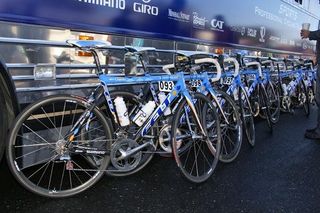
point(281, 174)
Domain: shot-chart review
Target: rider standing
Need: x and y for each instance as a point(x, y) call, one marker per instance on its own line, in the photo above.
point(314, 133)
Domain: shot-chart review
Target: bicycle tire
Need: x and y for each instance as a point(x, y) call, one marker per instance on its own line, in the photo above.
point(274, 97)
point(265, 102)
point(4, 124)
point(247, 117)
point(210, 147)
point(303, 94)
point(231, 134)
point(51, 119)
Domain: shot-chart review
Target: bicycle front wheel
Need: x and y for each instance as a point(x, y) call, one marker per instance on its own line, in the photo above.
point(196, 154)
point(273, 95)
point(37, 151)
point(247, 116)
point(231, 128)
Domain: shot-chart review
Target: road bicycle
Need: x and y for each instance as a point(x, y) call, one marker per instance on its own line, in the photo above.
point(233, 85)
point(293, 91)
point(269, 72)
point(255, 86)
point(230, 121)
point(61, 145)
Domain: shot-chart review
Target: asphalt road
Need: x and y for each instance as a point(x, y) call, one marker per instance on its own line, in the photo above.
point(281, 174)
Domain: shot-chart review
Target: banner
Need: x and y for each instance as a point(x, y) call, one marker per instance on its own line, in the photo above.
point(271, 25)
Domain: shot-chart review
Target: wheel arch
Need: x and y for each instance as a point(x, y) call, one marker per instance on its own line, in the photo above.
point(9, 91)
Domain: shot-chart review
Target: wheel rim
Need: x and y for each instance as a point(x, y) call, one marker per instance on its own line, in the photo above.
point(38, 155)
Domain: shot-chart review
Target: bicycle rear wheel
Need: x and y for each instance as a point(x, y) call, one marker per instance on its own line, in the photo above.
point(37, 154)
point(302, 97)
point(265, 105)
point(196, 155)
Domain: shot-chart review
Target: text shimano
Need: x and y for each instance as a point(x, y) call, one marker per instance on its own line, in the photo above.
point(118, 4)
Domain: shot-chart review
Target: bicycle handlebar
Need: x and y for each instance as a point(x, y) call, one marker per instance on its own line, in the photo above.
point(283, 63)
point(236, 65)
point(309, 64)
point(268, 62)
point(167, 67)
point(255, 63)
point(211, 61)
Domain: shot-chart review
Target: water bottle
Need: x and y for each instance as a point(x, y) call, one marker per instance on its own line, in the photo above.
point(144, 113)
point(284, 88)
point(162, 96)
point(246, 89)
point(292, 86)
point(235, 94)
point(122, 111)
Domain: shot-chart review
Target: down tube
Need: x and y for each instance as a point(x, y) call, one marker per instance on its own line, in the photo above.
point(193, 110)
point(162, 107)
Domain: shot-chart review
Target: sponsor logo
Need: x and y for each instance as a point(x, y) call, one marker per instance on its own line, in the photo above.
point(178, 16)
point(274, 38)
point(262, 34)
point(284, 41)
point(217, 25)
point(238, 29)
point(199, 22)
point(118, 4)
point(145, 8)
point(251, 32)
point(243, 31)
point(292, 43)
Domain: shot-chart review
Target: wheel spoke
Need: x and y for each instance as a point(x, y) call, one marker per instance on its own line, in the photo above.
point(36, 133)
point(62, 119)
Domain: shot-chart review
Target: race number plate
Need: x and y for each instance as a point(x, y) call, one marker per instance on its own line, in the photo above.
point(195, 83)
point(251, 77)
point(228, 80)
point(166, 86)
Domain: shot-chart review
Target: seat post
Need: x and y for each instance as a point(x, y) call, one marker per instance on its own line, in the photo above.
point(97, 61)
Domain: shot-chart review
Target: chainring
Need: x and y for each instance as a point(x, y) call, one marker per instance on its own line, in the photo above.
point(118, 149)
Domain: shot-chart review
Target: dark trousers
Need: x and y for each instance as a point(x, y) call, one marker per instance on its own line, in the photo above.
point(318, 96)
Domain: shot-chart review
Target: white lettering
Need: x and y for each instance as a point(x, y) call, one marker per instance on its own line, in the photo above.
point(252, 32)
point(267, 15)
point(145, 8)
point(179, 16)
point(117, 4)
point(199, 21)
point(288, 12)
point(217, 25)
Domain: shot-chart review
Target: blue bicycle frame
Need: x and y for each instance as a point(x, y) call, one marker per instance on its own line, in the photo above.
point(298, 75)
point(179, 90)
point(206, 88)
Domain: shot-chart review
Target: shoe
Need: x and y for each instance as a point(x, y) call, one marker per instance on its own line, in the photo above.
point(314, 135)
point(312, 129)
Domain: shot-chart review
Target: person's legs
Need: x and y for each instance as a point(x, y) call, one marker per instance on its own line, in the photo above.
point(314, 133)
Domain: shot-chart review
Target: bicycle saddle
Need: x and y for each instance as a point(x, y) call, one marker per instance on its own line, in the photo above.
point(89, 44)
